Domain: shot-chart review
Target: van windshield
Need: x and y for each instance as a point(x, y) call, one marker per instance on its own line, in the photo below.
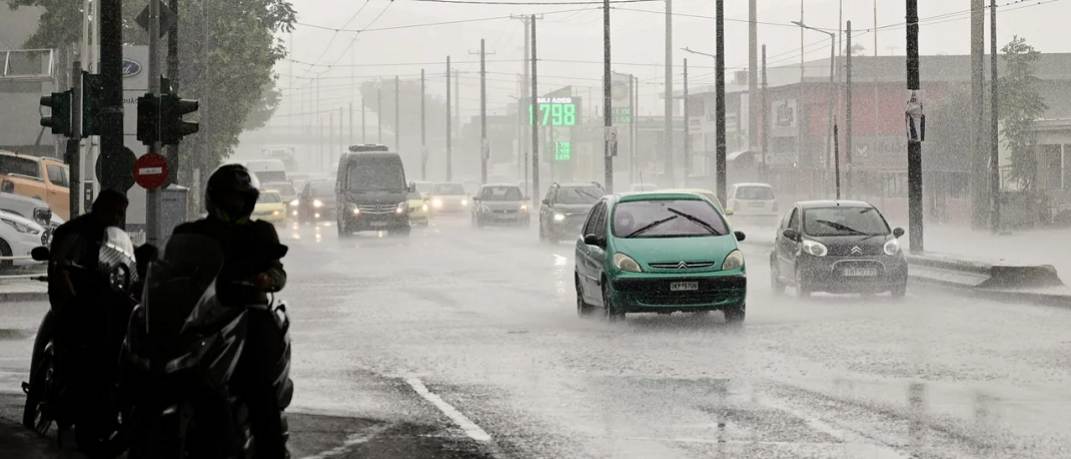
point(376, 175)
point(271, 176)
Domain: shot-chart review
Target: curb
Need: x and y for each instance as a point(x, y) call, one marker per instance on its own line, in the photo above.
point(23, 296)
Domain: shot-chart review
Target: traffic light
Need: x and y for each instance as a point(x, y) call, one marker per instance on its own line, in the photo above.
point(148, 119)
point(60, 118)
point(92, 101)
point(172, 127)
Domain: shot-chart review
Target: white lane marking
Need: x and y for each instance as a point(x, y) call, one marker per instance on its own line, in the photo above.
point(350, 442)
point(471, 429)
point(849, 437)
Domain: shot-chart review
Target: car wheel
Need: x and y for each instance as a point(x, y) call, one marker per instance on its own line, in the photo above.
point(612, 312)
point(776, 284)
point(900, 291)
point(803, 291)
point(735, 314)
point(343, 231)
point(5, 251)
point(583, 309)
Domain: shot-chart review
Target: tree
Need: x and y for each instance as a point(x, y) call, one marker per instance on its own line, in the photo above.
point(227, 55)
point(1020, 105)
point(857, 49)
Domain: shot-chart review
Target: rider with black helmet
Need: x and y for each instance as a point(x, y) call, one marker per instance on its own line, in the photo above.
point(251, 269)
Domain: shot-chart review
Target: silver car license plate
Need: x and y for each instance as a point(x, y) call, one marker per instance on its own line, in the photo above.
point(859, 272)
point(378, 224)
point(683, 286)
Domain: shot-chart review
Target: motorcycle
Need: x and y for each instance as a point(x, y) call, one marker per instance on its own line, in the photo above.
point(98, 437)
point(180, 354)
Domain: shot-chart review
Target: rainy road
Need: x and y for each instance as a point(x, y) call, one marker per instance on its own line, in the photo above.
point(467, 342)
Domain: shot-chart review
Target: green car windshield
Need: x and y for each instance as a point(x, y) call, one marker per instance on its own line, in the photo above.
point(667, 218)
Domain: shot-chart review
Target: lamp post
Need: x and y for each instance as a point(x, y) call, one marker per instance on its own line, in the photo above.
point(832, 87)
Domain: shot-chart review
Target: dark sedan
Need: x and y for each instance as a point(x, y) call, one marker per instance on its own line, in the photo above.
point(316, 202)
point(837, 247)
point(501, 204)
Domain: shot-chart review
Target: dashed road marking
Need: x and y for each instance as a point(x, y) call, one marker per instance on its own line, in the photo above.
point(471, 429)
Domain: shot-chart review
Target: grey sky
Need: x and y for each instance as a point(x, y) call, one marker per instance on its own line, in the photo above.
point(637, 39)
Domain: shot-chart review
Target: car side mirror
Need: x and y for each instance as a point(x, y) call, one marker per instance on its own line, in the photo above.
point(728, 211)
point(42, 215)
point(412, 187)
point(791, 234)
point(39, 253)
point(591, 239)
point(740, 236)
point(898, 232)
point(546, 202)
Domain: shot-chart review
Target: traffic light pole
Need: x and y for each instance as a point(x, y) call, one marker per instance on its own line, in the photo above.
point(111, 72)
point(914, 147)
point(74, 144)
point(173, 75)
point(152, 197)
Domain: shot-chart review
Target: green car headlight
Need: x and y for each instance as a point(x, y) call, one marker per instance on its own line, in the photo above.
point(735, 260)
point(626, 263)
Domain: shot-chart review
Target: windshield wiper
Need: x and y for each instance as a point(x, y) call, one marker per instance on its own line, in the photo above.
point(651, 225)
point(696, 220)
point(841, 227)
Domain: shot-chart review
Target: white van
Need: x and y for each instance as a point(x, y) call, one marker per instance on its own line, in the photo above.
point(752, 200)
point(267, 170)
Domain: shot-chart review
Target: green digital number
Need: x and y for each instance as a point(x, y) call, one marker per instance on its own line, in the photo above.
point(556, 114)
point(545, 109)
point(570, 115)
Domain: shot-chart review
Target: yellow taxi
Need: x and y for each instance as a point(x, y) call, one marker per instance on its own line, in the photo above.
point(709, 195)
point(418, 209)
point(270, 207)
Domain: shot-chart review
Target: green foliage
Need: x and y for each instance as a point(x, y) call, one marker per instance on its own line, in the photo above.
point(226, 56)
point(1020, 105)
point(950, 131)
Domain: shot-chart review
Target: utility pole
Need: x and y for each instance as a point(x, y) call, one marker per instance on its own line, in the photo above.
point(341, 143)
point(994, 130)
point(799, 106)
point(632, 129)
point(351, 124)
point(74, 144)
point(535, 126)
point(719, 69)
point(364, 122)
point(379, 115)
point(836, 155)
point(152, 197)
point(609, 137)
point(457, 103)
point(914, 148)
point(752, 78)
point(979, 189)
point(848, 114)
point(397, 115)
point(173, 162)
point(765, 119)
point(668, 129)
point(423, 130)
point(111, 72)
point(449, 128)
point(687, 129)
point(484, 147)
point(522, 141)
point(330, 140)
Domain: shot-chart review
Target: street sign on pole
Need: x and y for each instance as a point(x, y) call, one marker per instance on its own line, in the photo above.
point(150, 171)
point(115, 170)
point(167, 19)
point(915, 117)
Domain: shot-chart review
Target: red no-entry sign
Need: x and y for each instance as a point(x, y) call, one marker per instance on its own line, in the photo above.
point(150, 171)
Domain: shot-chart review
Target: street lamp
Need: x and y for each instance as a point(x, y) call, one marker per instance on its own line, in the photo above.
point(832, 89)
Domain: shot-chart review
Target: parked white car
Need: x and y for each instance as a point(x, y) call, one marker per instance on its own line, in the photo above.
point(18, 236)
point(752, 200)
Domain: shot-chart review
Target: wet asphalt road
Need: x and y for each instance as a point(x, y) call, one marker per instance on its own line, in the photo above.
point(465, 343)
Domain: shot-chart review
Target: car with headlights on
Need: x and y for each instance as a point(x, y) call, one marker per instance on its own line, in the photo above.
point(18, 236)
point(270, 207)
point(837, 247)
point(449, 198)
point(565, 208)
point(419, 213)
point(659, 252)
point(316, 202)
point(500, 204)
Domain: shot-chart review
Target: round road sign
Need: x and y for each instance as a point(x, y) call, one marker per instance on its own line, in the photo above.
point(115, 169)
point(150, 171)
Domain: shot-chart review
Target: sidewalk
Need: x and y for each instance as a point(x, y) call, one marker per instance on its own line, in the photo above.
point(1028, 247)
point(23, 290)
point(17, 442)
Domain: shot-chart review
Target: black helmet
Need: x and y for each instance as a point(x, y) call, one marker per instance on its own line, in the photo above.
point(233, 178)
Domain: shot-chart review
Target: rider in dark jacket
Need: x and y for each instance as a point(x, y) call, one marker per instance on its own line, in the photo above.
point(251, 270)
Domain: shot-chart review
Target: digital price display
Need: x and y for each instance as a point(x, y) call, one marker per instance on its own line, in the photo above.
point(554, 111)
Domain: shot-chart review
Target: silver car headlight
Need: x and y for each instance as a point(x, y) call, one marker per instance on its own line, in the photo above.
point(559, 217)
point(20, 227)
point(626, 263)
point(815, 248)
point(735, 260)
point(892, 247)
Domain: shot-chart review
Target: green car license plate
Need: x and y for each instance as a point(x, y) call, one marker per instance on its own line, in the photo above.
point(683, 286)
point(859, 272)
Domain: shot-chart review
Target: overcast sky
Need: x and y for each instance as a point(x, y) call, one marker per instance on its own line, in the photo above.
point(574, 33)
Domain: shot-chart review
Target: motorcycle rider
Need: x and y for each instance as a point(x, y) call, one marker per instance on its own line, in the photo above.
point(90, 321)
point(251, 269)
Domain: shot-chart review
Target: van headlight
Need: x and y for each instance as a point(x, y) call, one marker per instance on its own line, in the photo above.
point(815, 248)
point(317, 203)
point(735, 260)
point(626, 263)
point(402, 208)
point(892, 247)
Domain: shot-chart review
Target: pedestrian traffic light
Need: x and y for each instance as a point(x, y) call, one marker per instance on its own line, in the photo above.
point(60, 118)
point(172, 127)
point(148, 119)
point(92, 101)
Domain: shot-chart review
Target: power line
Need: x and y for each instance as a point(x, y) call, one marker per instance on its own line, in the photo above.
point(477, 2)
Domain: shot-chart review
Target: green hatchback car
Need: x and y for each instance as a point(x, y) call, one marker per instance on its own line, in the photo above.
point(659, 252)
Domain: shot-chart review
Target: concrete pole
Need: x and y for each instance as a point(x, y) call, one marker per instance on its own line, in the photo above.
point(668, 88)
point(752, 79)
